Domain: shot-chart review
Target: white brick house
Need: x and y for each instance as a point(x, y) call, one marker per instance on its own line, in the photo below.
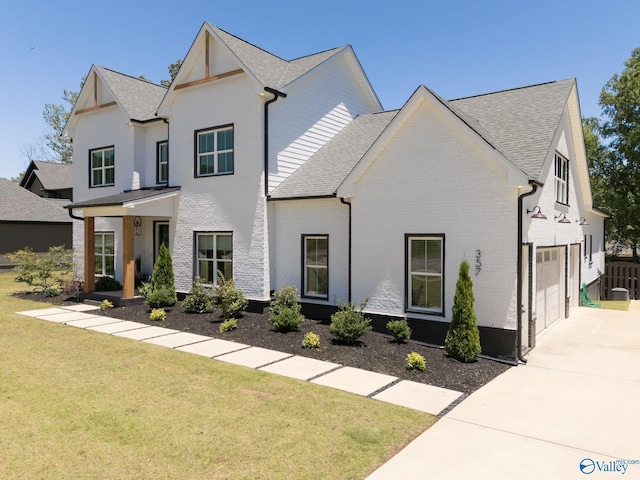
point(290, 173)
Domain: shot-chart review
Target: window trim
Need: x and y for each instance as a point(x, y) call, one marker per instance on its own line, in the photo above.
point(102, 256)
point(196, 260)
point(196, 154)
point(407, 273)
point(91, 169)
point(159, 180)
point(303, 263)
point(558, 181)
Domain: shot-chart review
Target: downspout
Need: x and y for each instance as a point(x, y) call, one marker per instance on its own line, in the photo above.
point(533, 190)
point(75, 217)
point(276, 94)
point(348, 204)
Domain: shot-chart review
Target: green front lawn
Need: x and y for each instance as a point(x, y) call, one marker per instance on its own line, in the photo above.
point(80, 404)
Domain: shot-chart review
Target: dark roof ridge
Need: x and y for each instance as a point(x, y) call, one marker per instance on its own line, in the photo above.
point(248, 43)
point(509, 89)
point(132, 77)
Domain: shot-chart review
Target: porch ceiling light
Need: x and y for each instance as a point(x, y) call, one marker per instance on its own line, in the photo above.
point(537, 214)
point(582, 221)
point(563, 218)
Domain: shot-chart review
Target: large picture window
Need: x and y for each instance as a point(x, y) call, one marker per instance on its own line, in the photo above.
point(425, 273)
point(102, 167)
point(105, 254)
point(214, 252)
point(162, 168)
point(315, 275)
point(214, 151)
point(562, 179)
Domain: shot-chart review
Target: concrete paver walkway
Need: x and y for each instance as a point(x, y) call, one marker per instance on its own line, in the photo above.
point(385, 388)
point(571, 412)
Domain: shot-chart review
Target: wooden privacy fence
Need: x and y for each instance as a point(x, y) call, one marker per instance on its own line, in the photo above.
point(621, 275)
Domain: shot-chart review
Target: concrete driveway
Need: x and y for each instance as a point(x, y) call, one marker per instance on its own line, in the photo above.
point(571, 412)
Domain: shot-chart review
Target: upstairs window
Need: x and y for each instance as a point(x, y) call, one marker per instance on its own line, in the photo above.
point(425, 273)
point(562, 180)
point(102, 164)
point(162, 167)
point(214, 151)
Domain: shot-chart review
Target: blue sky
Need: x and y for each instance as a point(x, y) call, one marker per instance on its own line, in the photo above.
point(456, 48)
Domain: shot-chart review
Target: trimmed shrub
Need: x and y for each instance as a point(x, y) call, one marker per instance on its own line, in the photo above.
point(349, 324)
point(199, 299)
point(107, 284)
point(228, 325)
point(160, 291)
point(311, 340)
point(52, 291)
point(285, 313)
point(161, 298)
point(158, 315)
point(400, 330)
point(230, 299)
point(463, 338)
point(415, 361)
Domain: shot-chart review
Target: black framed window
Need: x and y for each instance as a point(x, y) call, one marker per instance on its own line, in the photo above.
point(102, 167)
point(315, 268)
point(214, 153)
point(214, 253)
point(162, 162)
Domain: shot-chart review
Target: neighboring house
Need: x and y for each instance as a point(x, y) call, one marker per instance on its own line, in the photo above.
point(29, 220)
point(280, 172)
point(49, 179)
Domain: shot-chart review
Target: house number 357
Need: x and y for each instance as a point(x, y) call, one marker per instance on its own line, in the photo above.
point(478, 262)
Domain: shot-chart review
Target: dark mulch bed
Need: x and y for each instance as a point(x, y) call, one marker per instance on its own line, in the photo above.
point(375, 352)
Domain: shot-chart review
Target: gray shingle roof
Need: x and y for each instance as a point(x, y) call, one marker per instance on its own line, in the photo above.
point(139, 99)
point(521, 122)
point(52, 175)
point(271, 70)
point(323, 173)
point(20, 205)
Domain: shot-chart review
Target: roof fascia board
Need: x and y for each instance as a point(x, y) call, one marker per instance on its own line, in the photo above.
point(577, 134)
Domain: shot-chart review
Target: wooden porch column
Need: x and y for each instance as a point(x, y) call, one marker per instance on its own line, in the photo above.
point(128, 277)
point(89, 254)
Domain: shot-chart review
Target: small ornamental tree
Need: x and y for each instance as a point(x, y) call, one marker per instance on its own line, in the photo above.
point(161, 291)
point(463, 338)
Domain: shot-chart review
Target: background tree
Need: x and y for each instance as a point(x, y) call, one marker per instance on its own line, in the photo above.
point(620, 172)
point(173, 71)
point(56, 117)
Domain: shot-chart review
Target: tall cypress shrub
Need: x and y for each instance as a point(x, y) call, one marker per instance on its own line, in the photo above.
point(162, 289)
point(463, 338)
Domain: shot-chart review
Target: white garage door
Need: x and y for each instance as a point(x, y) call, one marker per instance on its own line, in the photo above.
point(549, 287)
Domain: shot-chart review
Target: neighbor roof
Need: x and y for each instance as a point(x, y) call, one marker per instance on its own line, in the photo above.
point(20, 205)
point(322, 174)
point(522, 121)
point(138, 98)
point(52, 175)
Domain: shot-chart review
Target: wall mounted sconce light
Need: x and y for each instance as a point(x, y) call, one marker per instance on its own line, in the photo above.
point(582, 221)
point(563, 218)
point(537, 214)
point(137, 225)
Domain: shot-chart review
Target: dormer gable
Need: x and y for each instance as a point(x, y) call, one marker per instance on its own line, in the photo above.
point(103, 88)
point(216, 55)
